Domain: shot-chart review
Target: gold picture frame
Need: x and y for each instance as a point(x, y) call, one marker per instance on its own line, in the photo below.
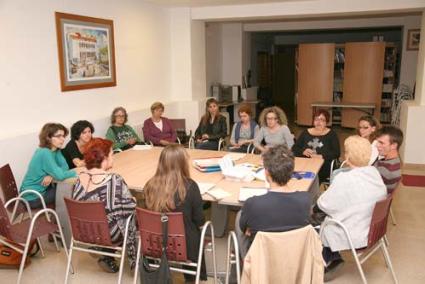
point(413, 39)
point(86, 52)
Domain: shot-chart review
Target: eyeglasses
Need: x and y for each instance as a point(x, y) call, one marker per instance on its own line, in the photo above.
point(271, 118)
point(319, 119)
point(59, 136)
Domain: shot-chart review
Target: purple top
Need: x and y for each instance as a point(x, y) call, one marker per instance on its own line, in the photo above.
point(154, 134)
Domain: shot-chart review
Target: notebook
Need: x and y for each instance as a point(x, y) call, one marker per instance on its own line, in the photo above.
point(247, 192)
point(218, 193)
point(205, 186)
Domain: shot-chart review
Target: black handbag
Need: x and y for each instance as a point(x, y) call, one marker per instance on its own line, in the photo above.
point(160, 275)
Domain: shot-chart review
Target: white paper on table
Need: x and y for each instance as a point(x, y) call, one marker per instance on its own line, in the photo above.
point(205, 186)
point(141, 147)
point(218, 193)
point(247, 192)
point(261, 175)
point(236, 156)
point(239, 172)
point(225, 163)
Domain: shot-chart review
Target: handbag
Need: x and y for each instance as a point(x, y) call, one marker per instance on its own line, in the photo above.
point(10, 258)
point(160, 275)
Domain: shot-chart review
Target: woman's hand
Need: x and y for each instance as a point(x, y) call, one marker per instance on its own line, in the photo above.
point(47, 180)
point(205, 137)
point(131, 141)
point(309, 152)
point(164, 142)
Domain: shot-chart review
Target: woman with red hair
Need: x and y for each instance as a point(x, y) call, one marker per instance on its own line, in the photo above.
point(97, 184)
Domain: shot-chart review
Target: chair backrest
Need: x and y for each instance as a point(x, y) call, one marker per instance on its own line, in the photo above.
point(227, 116)
point(139, 131)
point(88, 222)
point(150, 228)
point(378, 224)
point(178, 124)
point(8, 183)
point(9, 188)
point(4, 222)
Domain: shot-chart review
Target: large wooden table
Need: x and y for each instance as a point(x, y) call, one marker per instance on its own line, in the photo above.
point(137, 167)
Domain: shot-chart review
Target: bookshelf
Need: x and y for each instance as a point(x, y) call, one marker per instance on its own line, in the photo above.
point(360, 72)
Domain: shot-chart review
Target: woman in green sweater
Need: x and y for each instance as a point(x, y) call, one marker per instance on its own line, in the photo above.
point(123, 135)
point(47, 164)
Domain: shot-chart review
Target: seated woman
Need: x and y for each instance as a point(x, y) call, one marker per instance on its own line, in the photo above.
point(158, 129)
point(366, 129)
point(123, 135)
point(97, 184)
point(351, 198)
point(172, 190)
point(274, 130)
point(319, 141)
point(81, 134)
point(211, 128)
point(244, 131)
point(281, 209)
point(47, 164)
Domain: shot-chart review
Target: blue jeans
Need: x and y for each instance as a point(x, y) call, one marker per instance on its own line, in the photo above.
point(49, 198)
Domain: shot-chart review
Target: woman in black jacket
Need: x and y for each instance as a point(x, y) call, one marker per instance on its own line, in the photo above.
point(172, 190)
point(212, 127)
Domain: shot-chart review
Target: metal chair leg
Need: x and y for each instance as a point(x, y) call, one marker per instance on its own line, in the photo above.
point(359, 265)
point(68, 265)
point(388, 261)
point(393, 220)
point(139, 246)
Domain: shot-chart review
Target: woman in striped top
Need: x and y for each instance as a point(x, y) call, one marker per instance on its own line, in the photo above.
point(96, 184)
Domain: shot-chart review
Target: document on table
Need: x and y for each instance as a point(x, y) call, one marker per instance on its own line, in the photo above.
point(205, 186)
point(141, 147)
point(247, 192)
point(218, 193)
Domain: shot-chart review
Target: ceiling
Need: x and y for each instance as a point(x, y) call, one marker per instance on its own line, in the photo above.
point(198, 3)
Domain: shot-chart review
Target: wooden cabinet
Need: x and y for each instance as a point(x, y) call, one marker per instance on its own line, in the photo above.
point(363, 74)
point(315, 78)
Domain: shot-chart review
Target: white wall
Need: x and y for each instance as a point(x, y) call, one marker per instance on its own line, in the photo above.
point(214, 53)
point(232, 53)
point(30, 85)
point(153, 61)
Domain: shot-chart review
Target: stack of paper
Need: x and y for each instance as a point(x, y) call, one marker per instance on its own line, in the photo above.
point(247, 192)
point(207, 165)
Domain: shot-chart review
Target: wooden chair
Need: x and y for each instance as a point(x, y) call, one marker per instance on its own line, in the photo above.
point(27, 231)
point(376, 237)
point(150, 242)
point(90, 228)
point(10, 190)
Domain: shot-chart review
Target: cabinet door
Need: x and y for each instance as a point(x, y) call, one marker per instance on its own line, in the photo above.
point(315, 78)
point(363, 74)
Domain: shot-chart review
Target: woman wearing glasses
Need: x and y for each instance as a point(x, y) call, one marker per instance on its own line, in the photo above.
point(319, 141)
point(47, 164)
point(123, 135)
point(366, 129)
point(274, 130)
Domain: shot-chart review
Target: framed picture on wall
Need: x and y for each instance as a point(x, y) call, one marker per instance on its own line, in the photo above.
point(86, 52)
point(413, 38)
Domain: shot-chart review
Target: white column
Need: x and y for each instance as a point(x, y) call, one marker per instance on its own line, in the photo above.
point(413, 113)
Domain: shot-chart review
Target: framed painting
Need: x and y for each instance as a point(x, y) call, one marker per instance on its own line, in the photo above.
point(86, 52)
point(413, 38)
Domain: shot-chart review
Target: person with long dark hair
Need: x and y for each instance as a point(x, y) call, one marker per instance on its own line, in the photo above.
point(172, 190)
point(211, 128)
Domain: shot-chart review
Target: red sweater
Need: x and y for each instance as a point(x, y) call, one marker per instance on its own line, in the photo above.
point(154, 134)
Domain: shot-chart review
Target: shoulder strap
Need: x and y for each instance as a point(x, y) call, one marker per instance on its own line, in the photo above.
point(252, 124)
point(164, 221)
point(237, 131)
